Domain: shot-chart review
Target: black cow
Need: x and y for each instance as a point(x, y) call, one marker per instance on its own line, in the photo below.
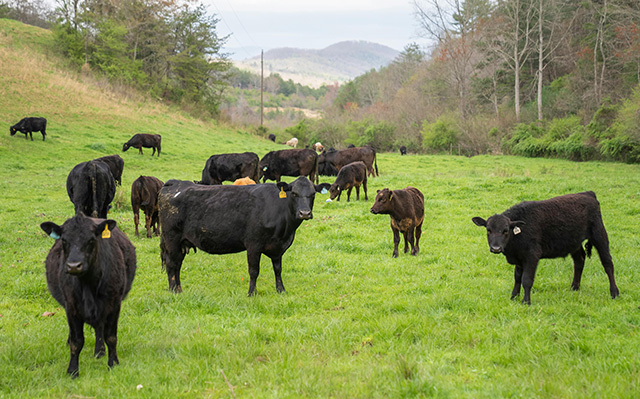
point(29, 125)
point(338, 159)
point(144, 140)
point(350, 176)
point(90, 269)
point(403, 150)
point(144, 195)
point(406, 208)
point(294, 162)
point(230, 167)
point(272, 137)
point(91, 188)
point(259, 219)
point(116, 166)
point(553, 228)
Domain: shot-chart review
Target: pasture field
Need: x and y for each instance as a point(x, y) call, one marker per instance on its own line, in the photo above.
point(354, 323)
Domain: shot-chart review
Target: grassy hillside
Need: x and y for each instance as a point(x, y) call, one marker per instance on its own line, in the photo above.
point(354, 322)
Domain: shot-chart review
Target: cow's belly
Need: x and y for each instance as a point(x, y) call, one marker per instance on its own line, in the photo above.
point(403, 224)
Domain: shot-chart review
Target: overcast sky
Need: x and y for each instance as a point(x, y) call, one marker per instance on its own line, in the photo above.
point(312, 24)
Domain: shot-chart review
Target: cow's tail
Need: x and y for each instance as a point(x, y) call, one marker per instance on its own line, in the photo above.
point(375, 162)
point(587, 247)
point(94, 191)
point(315, 168)
point(163, 251)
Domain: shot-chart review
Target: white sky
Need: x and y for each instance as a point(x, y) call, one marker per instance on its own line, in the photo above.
point(312, 24)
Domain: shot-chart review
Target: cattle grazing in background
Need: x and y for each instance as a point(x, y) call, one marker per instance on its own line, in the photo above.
point(403, 150)
point(29, 125)
point(351, 146)
point(116, 166)
point(326, 168)
point(292, 143)
point(272, 137)
point(144, 140)
point(552, 228)
point(91, 188)
point(318, 147)
point(245, 181)
point(144, 195)
point(350, 176)
point(406, 208)
point(90, 269)
point(338, 159)
point(298, 162)
point(259, 219)
point(230, 167)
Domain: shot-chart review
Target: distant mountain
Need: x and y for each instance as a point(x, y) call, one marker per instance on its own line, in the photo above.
point(339, 62)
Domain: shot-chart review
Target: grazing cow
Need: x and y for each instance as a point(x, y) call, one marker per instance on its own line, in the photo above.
point(298, 162)
point(326, 168)
point(144, 195)
point(259, 219)
point(116, 166)
point(144, 140)
point(272, 137)
point(29, 125)
point(91, 188)
point(318, 147)
point(292, 143)
point(552, 228)
point(403, 150)
point(90, 269)
point(406, 208)
point(350, 176)
point(245, 181)
point(351, 146)
point(229, 167)
point(338, 159)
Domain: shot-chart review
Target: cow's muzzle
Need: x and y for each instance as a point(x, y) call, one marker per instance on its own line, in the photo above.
point(495, 250)
point(305, 215)
point(74, 268)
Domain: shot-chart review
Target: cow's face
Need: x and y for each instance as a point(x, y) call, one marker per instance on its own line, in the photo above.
point(80, 237)
point(334, 191)
point(125, 147)
point(383, 202)
point(301, 194)
point(500, 229)
point(12, 130)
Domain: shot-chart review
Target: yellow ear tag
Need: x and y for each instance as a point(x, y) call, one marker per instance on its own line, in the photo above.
point(390, 196)
point(282, 193)
point(106, 233)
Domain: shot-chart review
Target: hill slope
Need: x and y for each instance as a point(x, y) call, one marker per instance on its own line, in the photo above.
point(337, 63)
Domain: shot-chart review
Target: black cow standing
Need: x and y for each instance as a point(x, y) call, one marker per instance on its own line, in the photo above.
point(259, 219)
point(29, 125)
point(90, 269)
point(230, 167)
point(272, 137)
point(294, 162)
point(91, 188)
point(553, 228)
point(144, 140)
point(350, 176)
point(403, 150)
point(144, 195)
point(116, 166)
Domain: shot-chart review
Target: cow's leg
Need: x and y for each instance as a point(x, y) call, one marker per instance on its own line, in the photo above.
point(528, 275)
point(111, 334)
point(154, 151)
point(30, 135)
point(253, 259)
point(517, 276)
point(578, 266)
point(136, 218)
point(349, 193)
point(600, 240)
point(75, 341)
point(99, 348)
point(277, 271)
point(147, 223)
point(364, 188)
point(418, 235)
point(396, 241)
point(408, 239)
point(358, 192)
point(172, 257)
point(140, 150)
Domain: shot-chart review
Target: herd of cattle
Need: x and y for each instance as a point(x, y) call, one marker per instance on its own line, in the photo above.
point(91, 266)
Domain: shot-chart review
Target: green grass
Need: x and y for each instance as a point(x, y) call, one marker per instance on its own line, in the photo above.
point(354, 322)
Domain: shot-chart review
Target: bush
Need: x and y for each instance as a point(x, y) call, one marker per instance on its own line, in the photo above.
point(439, 136)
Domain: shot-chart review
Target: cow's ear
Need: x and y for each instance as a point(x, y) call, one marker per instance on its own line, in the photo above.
point(53, 230)
point(322, 188)
point(105, 228)
point(283, 186)
point(516, 223)
point(479, 221)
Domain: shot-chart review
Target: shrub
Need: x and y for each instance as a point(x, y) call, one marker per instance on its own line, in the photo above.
point(439, 136)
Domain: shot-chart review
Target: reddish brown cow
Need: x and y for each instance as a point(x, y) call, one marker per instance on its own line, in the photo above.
point(338, 159)
point(144, 195)
point(406, 208)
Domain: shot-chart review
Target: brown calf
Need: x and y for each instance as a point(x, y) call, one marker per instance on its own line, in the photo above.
point(350, 176)
point(144, 195)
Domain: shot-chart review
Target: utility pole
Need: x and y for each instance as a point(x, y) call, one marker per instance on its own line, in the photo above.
point(261, 86)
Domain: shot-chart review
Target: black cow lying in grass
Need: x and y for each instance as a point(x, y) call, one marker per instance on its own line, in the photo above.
point(91, 188)
point(553, 228)
point(29, 125)
point(259, 219)
point(350, 176)
point(90, 269)
point(144, 140)
point(406, 208)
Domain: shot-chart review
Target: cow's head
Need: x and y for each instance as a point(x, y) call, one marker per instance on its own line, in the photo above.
point(500, 229)
point(13, 130)
point(80, 237)
point(334, 190)
point(300, 193)
point(125, 146)
point(383, 203)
